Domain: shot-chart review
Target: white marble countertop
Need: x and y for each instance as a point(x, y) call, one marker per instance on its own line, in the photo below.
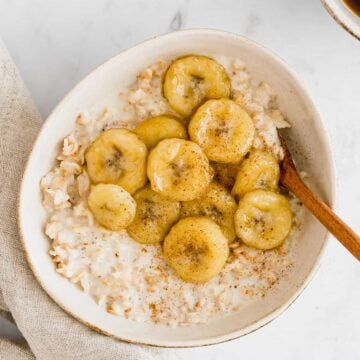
point(55, 43)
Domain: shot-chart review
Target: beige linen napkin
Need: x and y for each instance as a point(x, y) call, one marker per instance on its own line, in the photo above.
point(49, 331)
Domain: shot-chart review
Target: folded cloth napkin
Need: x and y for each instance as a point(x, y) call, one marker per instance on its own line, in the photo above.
point(50, 333)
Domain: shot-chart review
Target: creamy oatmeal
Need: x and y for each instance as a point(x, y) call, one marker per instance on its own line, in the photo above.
point(130, 279)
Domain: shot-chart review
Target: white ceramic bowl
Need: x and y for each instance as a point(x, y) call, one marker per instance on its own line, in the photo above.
point(343, 16)
point(312, 152)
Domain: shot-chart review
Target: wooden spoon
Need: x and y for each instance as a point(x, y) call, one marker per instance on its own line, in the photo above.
point(290, 179)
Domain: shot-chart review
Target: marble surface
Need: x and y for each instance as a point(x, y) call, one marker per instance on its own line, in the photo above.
point(56, 43)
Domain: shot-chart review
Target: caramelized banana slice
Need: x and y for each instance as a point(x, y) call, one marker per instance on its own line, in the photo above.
point(158, 128)
point(223, 129)
point(191, 79)
point(154, 216)
point(178, 169)
point(225, 174)
point(263, 219)
point(112, 206)
point(218, 205)
point(196, 249)
point(259, 171)
point(118, 157)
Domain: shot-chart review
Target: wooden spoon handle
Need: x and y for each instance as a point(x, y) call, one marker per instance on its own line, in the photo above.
point(325, 215)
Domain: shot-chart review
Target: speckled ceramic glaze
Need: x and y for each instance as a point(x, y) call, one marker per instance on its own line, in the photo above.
point(309, 145)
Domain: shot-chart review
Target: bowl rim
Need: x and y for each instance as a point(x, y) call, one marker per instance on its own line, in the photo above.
point(255, 325)
point(341, 19)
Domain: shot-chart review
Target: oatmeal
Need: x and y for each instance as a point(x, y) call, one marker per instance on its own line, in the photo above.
point(131, 279)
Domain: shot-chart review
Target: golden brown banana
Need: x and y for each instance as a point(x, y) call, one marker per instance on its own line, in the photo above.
point(178, 169)
point(259, 171)
point(196, 249)
point(263, 219)
point(191, 79)
point(223, 130)
point(118, 157)
point(112, 206)
point(218, 205)
point(158, 128)
point(154, 216)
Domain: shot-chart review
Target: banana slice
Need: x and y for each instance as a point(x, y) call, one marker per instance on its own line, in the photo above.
point(117, 157)
point(218, 205)
point(196, 249)
point(112, 206)
point(154, 216)
point(152, 130)
point(259, 171)
point(225, 174)
point(191, 79)
point(223, 129)
point(263, 219)
point(178, 169)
